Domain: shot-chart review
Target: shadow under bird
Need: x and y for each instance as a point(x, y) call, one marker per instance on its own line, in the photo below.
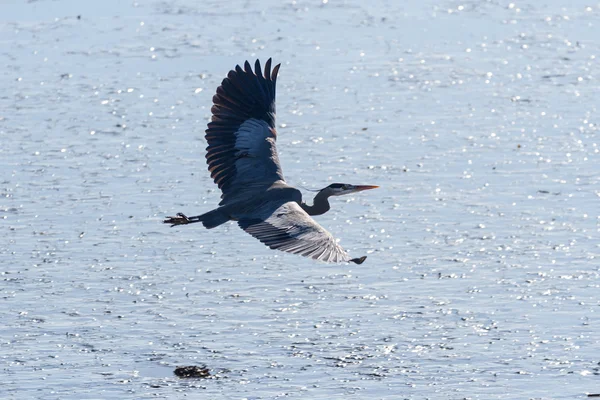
point(242, 159)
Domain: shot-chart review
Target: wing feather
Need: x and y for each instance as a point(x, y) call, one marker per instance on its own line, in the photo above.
point(241, 153)
point(289, 228)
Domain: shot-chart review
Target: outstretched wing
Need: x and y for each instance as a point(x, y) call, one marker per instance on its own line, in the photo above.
point(289, 228)
point(241, 153)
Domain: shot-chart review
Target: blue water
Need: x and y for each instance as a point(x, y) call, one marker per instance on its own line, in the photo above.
point(477, 119)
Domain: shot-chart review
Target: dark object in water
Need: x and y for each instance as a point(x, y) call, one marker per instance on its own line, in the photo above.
point(192, 371)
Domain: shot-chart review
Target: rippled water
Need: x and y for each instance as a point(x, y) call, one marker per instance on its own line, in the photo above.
point(477, 119)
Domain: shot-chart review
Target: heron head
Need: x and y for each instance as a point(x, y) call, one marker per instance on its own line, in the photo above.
point(339, 189)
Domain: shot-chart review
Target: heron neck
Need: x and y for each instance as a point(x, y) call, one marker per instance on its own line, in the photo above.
point(320, 204)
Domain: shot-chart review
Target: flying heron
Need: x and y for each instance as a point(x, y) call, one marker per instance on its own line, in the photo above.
point(242, 159)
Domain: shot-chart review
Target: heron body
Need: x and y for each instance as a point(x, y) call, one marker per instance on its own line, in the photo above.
point(242, 159)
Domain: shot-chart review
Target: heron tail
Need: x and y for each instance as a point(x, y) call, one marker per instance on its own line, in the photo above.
point(214, 218)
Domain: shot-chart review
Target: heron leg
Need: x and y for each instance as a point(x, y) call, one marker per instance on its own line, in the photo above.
point(181, 219)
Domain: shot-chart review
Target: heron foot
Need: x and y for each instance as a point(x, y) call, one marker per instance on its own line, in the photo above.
point(179, 219)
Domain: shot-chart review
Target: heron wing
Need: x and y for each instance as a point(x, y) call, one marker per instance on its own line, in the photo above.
point(289, 228)
point(241, 153)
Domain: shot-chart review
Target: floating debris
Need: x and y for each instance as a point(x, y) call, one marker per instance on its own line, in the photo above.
point(192, 371)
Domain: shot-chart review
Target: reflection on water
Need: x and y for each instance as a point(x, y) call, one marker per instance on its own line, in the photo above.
point(477, 119)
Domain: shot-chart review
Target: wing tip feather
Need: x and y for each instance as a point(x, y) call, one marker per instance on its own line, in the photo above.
point(358, 260)
point(275, 72)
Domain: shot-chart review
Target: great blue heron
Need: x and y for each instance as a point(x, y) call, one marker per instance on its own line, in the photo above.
point(242, 159)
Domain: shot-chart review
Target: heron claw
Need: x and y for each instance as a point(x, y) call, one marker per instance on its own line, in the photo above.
point(179, 219)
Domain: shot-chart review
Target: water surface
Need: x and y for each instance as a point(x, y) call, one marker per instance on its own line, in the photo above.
point(477, 119)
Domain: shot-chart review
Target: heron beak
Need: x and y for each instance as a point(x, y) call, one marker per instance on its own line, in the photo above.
point(360, 188)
